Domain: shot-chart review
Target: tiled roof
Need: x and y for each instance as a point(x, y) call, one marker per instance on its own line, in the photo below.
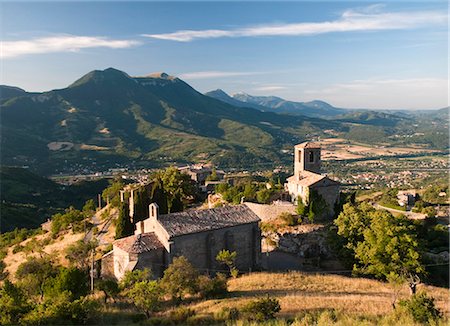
point(136, 244)
point(308, 178)
point(194, 221)
point(308, 144)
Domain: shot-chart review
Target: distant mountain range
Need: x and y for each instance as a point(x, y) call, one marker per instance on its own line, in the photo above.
point(108, 118)
point(316, 108)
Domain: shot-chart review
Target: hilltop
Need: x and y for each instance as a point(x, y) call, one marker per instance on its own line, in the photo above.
point(108, 118)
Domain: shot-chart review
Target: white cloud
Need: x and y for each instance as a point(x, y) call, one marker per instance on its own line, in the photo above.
point(60, 43)
point(413, 93)
point(215, 74)
point(365, 19)
point(269, 88)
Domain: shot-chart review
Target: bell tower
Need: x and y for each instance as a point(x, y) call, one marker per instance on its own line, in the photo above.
point(306, 158)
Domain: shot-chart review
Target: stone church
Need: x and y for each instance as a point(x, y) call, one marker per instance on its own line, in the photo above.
point(197, 235)
point(307, 177)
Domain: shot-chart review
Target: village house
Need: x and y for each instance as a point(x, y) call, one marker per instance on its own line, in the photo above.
point(199, 172)
point(307, 178)
point(198, 235)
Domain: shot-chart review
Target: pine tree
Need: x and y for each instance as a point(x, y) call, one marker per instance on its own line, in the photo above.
point(123, 224)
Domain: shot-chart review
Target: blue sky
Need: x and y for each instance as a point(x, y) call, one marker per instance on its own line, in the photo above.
point(351, 54)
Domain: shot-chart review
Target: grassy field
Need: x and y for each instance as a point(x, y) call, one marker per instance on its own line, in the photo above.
point(299, 292)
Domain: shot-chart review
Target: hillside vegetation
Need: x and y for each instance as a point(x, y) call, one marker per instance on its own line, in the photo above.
point(27, 199)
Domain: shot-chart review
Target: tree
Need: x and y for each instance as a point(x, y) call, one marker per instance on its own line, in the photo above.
point(124, 227)
point(111, 194)
point(301, 207)
point(177, 186)
point(146, 296)
point(179, 279)
point(70, 280)
point(132, 277)
point(34, 274)
point(381, 243)
point(89, 207)
point(109, 287)
point(213, 176)
point(13, 304)
point(228, 258)
point(263, 196)
point(79, 253)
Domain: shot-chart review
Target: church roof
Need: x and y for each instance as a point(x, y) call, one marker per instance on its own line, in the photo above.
point(308, 144)
point(194, 221)
point(137, 244)
point(308, 178)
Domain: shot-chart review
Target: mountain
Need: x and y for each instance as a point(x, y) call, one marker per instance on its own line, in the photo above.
point(279, 105)
point(107, 118)
point(219, 94)
point(7, 92)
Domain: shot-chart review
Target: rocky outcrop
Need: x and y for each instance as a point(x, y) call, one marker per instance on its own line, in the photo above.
point(305, 241)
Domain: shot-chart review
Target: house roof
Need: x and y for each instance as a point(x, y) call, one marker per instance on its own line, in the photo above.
point(194, 221)
point(137, 244)
point(308, 144)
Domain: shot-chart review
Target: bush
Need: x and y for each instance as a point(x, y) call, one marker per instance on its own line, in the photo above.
point(261, 309)
point(181, 314)
point(290, 219)
point(227, 314)
point(421, 307)
point(212, 287)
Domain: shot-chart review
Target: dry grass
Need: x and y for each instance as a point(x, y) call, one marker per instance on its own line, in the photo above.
point(55, 249)
point(299, 292)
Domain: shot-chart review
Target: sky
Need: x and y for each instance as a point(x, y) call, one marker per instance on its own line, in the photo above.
point(352, 54)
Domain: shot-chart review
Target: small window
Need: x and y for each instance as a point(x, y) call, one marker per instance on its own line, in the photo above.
point(300, 156)
point(311, 157)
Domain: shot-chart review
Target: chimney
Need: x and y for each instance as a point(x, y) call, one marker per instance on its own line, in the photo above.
point(153, 211)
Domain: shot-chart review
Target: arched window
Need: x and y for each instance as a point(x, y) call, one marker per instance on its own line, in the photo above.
point(311, 157)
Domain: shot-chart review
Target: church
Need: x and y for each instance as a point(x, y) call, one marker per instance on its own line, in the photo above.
point(307, 177)
point(198, 235)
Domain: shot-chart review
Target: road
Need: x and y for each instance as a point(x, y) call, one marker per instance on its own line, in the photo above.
point(102, 227)
point(408, 214)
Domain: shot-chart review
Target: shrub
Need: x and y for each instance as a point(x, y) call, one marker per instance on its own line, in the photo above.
point(289, 219)
point(227, 314)
point(132, 277)
point(228, 258)
point(181, 314)
point(261, 309)
point(421, 307)
point(212, 287)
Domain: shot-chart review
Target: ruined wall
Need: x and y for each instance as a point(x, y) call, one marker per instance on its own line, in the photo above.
point(271, 212)
point(202, 248)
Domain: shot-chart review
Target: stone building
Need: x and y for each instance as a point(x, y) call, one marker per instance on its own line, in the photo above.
point(307, 177)
point(199, 173)
point(197, 235)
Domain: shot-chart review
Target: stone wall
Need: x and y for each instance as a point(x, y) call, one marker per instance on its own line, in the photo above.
point(202, 248)
point(330, 193)
point(271, 212)
point(155, 260)
point(121, 261)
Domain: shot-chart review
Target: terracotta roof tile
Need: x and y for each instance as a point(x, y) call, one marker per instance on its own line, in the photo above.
point(136, 244)
point(308, 144)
